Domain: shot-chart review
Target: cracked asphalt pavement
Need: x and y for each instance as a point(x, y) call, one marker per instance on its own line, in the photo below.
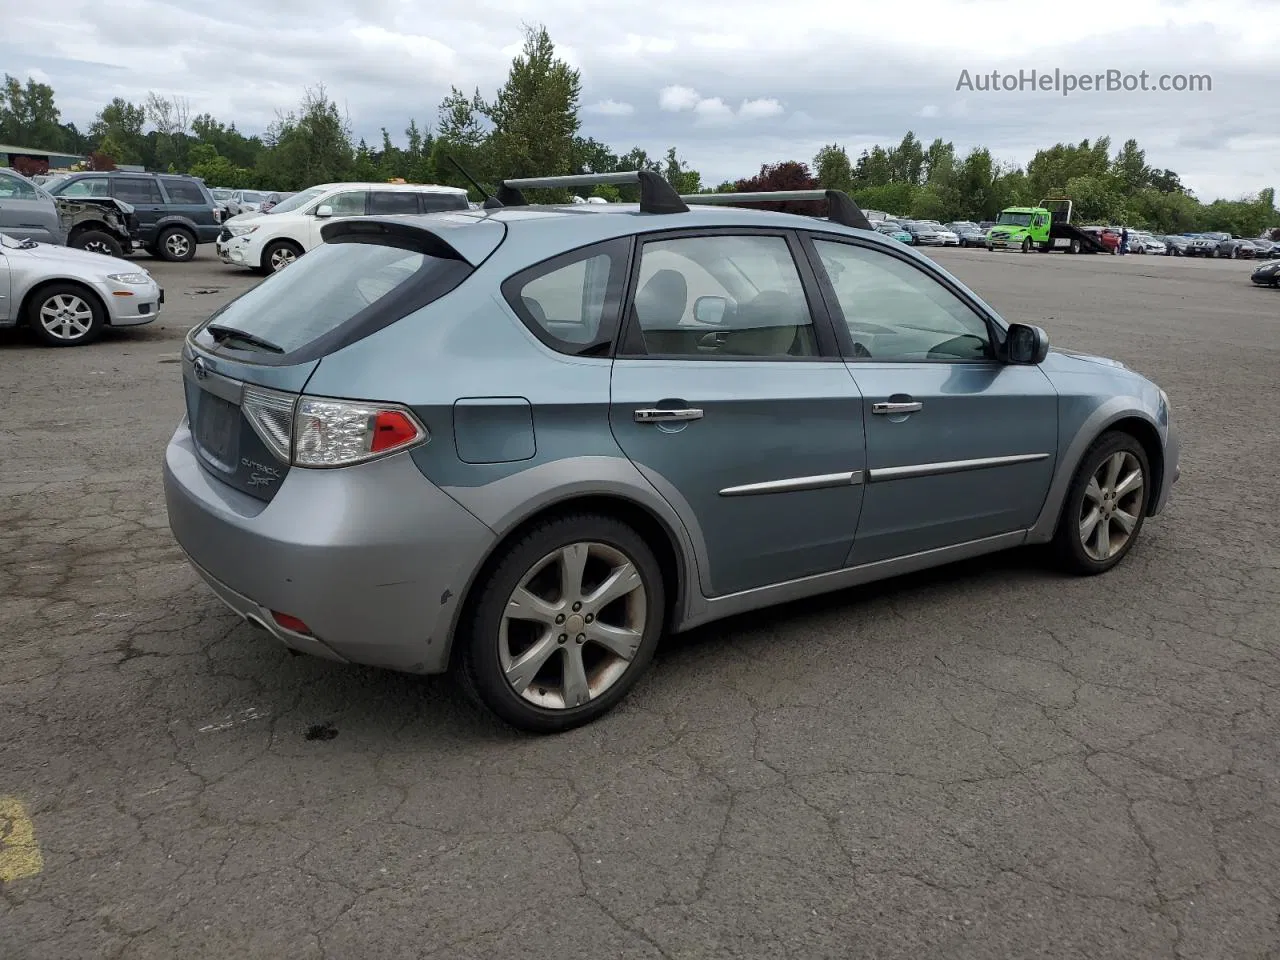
point(990, 760)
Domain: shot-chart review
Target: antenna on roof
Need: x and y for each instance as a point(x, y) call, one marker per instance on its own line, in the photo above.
point(490, 202)
point(841, 208)
point(656, 195)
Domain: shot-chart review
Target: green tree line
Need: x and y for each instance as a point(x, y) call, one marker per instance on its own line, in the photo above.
point(532, 126)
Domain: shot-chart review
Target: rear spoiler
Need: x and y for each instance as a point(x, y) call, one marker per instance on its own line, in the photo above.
point(459, 236)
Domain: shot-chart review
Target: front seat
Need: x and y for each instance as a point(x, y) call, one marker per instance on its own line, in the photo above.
point(660, 306)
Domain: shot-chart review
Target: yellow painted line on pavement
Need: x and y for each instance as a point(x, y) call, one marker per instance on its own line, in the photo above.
point(20, 855)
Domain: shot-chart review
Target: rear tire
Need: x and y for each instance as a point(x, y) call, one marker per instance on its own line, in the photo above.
point(66, 315)
point(176, 244)
point(1105, 506)
point(95, 241)
point(532, 650)
point(1075, 246)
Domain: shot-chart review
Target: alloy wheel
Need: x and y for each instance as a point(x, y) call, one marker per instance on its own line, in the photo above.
point(66, 317)
point(573, 625)
point(281, 257)
point(98, 246)
point(1113, 502)
point(177, 245)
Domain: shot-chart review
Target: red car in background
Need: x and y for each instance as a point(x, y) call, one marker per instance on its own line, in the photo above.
point(1110, 237)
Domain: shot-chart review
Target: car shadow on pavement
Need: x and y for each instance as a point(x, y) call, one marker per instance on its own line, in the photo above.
point(323, 705)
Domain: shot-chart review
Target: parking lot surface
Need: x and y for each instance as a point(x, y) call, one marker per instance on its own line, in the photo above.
point(990, 760)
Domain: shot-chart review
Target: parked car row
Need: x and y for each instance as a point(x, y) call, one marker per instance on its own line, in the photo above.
point(268, 242)
point(236, 202)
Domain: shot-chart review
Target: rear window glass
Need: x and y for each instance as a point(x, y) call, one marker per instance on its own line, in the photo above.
point(334, 284)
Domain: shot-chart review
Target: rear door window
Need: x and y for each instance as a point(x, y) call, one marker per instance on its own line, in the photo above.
point(392, 202)
point(136, 190)
point(336, 294)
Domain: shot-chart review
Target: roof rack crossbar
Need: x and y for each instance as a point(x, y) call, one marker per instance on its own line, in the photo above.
point(656, 195)
point(841, 208)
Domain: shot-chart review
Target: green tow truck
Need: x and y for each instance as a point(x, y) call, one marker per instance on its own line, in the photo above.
point(1043, 228)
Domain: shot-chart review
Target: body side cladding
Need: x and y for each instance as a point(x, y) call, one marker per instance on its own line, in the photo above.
point(508, 504)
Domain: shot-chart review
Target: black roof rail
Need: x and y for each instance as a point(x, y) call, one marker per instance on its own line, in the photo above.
point(841, 207)
point(656, 195)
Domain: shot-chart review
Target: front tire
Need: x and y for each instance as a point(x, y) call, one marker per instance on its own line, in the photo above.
point(279, 254)
point(176, 244)
point(564, 625)
point(1026, 244)
point(66, 315)
point(1105, 507)
point(95, 241)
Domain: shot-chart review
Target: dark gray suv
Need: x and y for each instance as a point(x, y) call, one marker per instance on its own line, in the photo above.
point(175, 213)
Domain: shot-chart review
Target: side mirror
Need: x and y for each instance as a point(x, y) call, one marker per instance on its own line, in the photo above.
point(710, 310)
point(1026, 344)
point(323, 211)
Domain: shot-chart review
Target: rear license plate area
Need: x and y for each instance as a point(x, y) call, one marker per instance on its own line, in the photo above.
point(218, 430)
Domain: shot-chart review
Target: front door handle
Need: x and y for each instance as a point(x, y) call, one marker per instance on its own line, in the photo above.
point(653, 415)
point(909, 406)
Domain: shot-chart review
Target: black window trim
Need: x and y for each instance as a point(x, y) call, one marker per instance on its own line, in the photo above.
point(995, 329)
point(621, 251)
point(631, 341)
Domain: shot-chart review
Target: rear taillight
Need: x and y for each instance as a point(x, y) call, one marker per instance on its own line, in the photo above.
point(321, 432)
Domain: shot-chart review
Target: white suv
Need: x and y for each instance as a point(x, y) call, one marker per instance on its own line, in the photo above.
point(268, 242)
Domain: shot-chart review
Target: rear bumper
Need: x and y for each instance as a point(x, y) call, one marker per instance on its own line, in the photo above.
point(372, 558)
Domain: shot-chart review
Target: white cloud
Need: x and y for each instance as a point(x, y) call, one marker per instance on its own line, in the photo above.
point(859, 80)
point(760, 109)
point(713, 110)
point(677, 98)
point(929, 110)
point(612, 108)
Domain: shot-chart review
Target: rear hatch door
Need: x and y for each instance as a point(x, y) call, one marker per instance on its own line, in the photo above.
point(246, 365)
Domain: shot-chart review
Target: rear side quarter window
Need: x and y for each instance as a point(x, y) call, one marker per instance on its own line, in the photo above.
point(573, 302)
point(185, 192)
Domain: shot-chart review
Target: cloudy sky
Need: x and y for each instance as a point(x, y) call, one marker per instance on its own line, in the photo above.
point(732, 86)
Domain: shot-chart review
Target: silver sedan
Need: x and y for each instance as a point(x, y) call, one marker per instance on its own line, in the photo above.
point(68, 296)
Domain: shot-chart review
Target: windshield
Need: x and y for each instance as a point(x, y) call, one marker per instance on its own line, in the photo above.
point(1014, 219)
point(323, 290)
point(222, 194)
point(888, 228)
point(252, 196)
point(298, 200)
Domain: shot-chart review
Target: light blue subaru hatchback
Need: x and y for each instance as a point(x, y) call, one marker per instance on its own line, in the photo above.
point(523, 442)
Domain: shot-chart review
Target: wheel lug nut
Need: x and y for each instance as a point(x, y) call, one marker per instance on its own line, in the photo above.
point(560, 618)
point(589, 618)
point(577, 607)
point(582, 638)
point(562, 638)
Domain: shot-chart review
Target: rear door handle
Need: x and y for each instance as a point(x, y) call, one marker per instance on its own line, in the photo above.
point(910, 406)
point(653, 415)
